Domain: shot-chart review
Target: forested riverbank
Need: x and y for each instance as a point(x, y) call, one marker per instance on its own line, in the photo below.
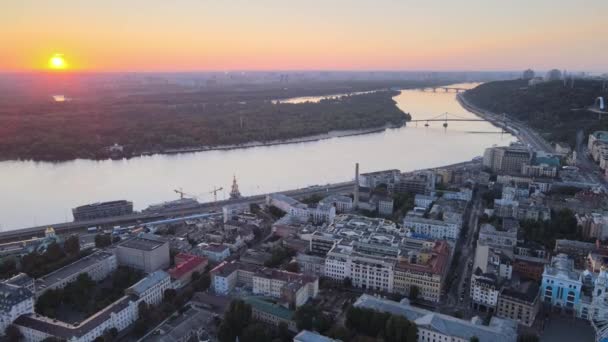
point(166, 123)
point(555, 110)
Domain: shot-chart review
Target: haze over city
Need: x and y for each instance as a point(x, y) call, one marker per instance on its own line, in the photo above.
point(195, 35)
point(303, 171)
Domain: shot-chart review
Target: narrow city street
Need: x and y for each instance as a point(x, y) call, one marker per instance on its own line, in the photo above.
point(465, 252)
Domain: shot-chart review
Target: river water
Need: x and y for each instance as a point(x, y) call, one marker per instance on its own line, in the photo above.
point(38, 193)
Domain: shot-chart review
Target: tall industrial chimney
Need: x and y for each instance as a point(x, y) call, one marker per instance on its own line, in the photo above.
point(356, 200)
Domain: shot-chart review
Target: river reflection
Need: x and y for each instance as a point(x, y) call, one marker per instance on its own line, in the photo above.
point(36, 193)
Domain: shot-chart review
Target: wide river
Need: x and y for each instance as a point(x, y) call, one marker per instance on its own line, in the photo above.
point(38, 193)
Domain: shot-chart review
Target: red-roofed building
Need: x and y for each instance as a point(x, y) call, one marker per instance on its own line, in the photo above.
point(185, 265)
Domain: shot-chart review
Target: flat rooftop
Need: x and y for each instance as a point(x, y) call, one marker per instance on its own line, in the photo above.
point(144, 242)
point(175, 328)
point(71, 269)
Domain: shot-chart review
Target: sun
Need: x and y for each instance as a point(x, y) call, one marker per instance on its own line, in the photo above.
point(57, 62)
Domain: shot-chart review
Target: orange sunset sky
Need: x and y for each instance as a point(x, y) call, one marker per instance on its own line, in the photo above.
point(184, 35)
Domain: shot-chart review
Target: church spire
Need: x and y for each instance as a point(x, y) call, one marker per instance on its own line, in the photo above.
point(235, 193)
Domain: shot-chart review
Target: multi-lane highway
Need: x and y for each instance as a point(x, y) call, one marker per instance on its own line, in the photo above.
point(525, 134)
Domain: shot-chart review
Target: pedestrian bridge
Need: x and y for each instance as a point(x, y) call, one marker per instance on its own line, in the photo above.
point(445, 89)
point(445, 118)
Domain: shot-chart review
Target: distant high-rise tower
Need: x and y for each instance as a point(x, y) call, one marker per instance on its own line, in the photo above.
point(528, 74)
point(356, 192)
point(235, 193)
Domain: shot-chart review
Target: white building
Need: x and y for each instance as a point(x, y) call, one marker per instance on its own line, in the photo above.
point(465, 194)
point(119, 315)
point(294, 288)
point(97, 265)
point(365, 270)
point(433, 326)
point(14, 302)
point(374, 179)
point(596, 307)
point(484, 291)
point(321, 213)
point(435, 229)
point(152, 288)
point(424, 201)
point(342, 203)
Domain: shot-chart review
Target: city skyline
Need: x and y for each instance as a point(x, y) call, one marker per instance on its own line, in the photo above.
point(313, 35)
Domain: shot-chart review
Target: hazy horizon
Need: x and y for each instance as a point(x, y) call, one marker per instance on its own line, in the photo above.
point(385, 35)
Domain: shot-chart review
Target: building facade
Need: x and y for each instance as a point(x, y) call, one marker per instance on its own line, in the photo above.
point(425, 270)
point(433, 326)
point(521, 305)
point(561, 285)
point(146, 252)
point(431, 228)
point(97, 265)
point(101, 210)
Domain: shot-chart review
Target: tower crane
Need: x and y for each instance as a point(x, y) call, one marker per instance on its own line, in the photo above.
point(183, 194)
point(214, 192)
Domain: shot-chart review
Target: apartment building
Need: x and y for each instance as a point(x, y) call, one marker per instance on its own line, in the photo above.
point(432, 228)
point(425, 270)
point(365, 269)
point(519, 303)
point(97, 265)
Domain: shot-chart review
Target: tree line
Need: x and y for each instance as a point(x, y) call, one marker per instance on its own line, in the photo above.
point(552, 108)
point(85, 130)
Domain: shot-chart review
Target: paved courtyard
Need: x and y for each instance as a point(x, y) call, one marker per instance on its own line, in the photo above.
point(565, 329)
